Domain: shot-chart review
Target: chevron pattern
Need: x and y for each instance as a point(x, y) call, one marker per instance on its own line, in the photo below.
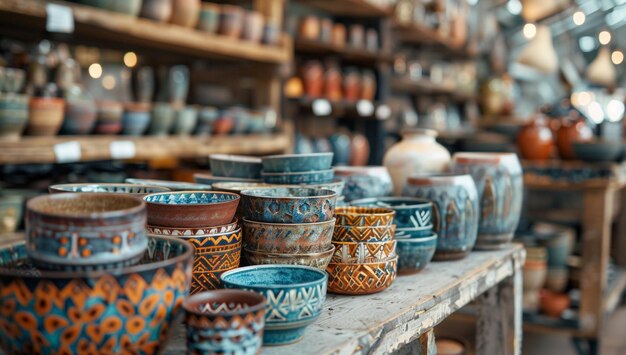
point(191, 232)
point(363, 234)
point(216, 240)
point(353, 253)
point(364, 216)
point(211, 261)
point(361, 279)
point(282, 303)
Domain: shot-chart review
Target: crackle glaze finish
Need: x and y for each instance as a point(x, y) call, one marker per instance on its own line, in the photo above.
point(415, 254)
point(288, 238)
point(289, 205)
point(410, 212)
point(361, 279)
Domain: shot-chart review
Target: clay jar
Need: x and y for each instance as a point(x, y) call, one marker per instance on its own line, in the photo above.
point(231, 21)
point(368, 85)
point(553, 304)
point(332, 84)
point(109, 117)
point(309, 28)
point(185, 12)
point(80, 117)
point(352, 85)
point(359, 150)
point(313, 78)
point(535, 140)
point(417, 152)
point(45, 116)
point(339, 35)
point(253, 26)
point(572, 131)
point(499, 180)
point(157, 10)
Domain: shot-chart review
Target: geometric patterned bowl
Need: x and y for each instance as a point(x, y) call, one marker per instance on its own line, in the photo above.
point(361, 279)
point(190, 232)
point(415, 254)
point(288, 238)
point(288, 205)
point(191, 209)
point(316, 260)
point(411, 212)
point(359, 253)
point(364, 216)
point(363, 234)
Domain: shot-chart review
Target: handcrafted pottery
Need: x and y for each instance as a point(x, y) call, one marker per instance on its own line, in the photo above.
point(313, 78)
point(310, 28)
point(191, 232)
point(558, 242)
point(317, 260)
point(185, 12)
point(500, 183)
point(553, 304)
point(289, 205)
point(363, 234)
point(364, 216)
point(556, 279)
point(237, 166)
point(157, 10)
point(332, 83)
point(224, 322)
point(11, 206)
point(339, 35)
point(418, 152)
point(210, 179)
point(351, 85)
point(415, 254)
point(364, 182)
point(295, 296)
point(455, 210)
point(13, 115)
point(410, 212)
point(231, 21)
point(85, 231)
point(368, 85)
point(340, 143)
point(206, 117)
point(136, 118)
point(240, 186)
point(535, 272)
point(413, 233)
point(172, 185)
point(129, 189)
point(290, 163)
point(109, 117)
point(191, 208)
point(314, 177)
point(14, 80)
point(598, 150)
point(570, 132)
point(80, 117)
point(185, 120)
point(129, 310)
point(361, 279)
point(45, 116)
point(253, 27)
point(286, 238)
point(359, 150)
point(162, 119)
point(535, 140)
point(209, 17)
point(359, 253)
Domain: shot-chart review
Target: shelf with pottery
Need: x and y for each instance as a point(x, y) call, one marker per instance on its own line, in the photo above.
point(351, 8)
point(105, 27)
point(427, 87)
point(346, 53)
point(362, 109)
point(416, 33)
point(573, 175)
point(405, 314)
point(38, 150)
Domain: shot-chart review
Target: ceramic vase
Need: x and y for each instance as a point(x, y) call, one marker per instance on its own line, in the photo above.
point(80, 117)
point(500, 184)
point(209, 17)
point(185, 120)
point(455, 210)
point(535, 140)
point(185, 12)
point(417, 152)
point(570, 132)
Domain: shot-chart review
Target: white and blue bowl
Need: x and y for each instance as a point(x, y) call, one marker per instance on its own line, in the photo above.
point(411, 212)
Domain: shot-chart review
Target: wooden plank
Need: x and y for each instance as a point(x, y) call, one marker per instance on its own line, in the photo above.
point(350, 8)
point(619, 237)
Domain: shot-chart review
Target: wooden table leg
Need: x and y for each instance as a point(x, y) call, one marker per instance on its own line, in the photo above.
point(620, 232)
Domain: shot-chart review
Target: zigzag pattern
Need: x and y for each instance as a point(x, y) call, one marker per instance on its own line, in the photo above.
point(217, 243)
point(211, 262)
point(363, 234)
point(190, 232)
point(363, 252)
point(282, 303)
point(421, 218)
point(196, 198)
point(364, 216)
point(361, 279)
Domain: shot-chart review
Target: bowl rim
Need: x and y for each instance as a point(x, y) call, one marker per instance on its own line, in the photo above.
point(234, 221)
point(258, 193)
point(241, 159)
point(402, 229)
point(327, 252)
point(140, 205)
point(206, 296)
point(420, 202)
point(382, 211)
point(298, 173)
point(390, 227)
point(185, 237)
point(438, 178)
point(261, 268)
point(246, 221)
point(292, 156)
point(389, 260)
point(211, 176)
point(136, 181)
point(427, 238)
point(237, 197)
point(60, 187)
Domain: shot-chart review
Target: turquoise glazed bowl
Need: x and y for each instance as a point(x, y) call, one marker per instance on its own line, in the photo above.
point(210, 179)
point(293, 238)
point(410, 212)
point(313, 177)
point(415, 254)
point(419, 232)
point(293, 163)
point(289, 205)
point(191, 209)
point(132, 189)
point(126, 310)
point(236, 166)
point(295, 296)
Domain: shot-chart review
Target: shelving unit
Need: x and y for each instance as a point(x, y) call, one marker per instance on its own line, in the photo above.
point(419, 34)
point(349, 8)
point(344, 53)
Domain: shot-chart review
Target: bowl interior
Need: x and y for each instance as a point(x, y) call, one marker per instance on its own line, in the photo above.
point(273, 276)
point(190, 198)
point(82, 205)
point(288, 192)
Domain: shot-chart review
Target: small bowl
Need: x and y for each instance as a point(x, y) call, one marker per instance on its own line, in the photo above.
point(364, 234)
point(316, 260)
point(130, 189)
point(225, 321)
point(361, 279)
point(412, 233)
point(295, 296)
point(191, 208)
point(289, 205)
point(314, 177)
point(288, 238)
point(293, 163)
point(411, 212)
point(364, 216)
point(172, 185)
point(193, 232)
point(415, 254)
point(597, 151)
point(210, 179)
point(87, 231)
point(359, 253)
point(237, 166)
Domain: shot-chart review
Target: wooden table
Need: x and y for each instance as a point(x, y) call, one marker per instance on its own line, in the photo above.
point(402, 318)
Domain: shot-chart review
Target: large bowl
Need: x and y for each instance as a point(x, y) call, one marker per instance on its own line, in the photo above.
point(295, 296)
point(360, 253)
point(85, 231)
point(289, 205)
point(411, 212)
point(365, 234)
point(415, 254)
point(237, 166)
point(361, 279)
point(309, 177)
point(408, 233)
point(317, 260)
point(128, 309)
point(210, 179)
point(190, 232)
point(597, 151)
point(364, 216)
point(132, 189)
point(172, 185)
point(191, 209)
point(291, 163)
point(289, 238)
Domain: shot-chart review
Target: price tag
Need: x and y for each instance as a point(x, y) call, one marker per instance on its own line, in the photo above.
point(321, 107)
point(59, 18)
point(67, 152)
point(383, 112)
point(122, 149)
point(365, 108)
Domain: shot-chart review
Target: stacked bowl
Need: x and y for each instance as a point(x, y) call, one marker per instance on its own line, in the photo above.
point(206, 220)
point(234, 168)
point(365, 259)
point(289, 225)
point(294, 169)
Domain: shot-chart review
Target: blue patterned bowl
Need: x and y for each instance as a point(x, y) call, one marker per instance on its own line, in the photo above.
point(289, 205)
point(237, 166)
point(292, 163)
point(410, 212)
point(189, 209)
point(139, 190)
point(411, 233)
point(295, 296)
point(172, 185)
point(313, 177)
point(364, 181)
point(415, 254)
point(128, 309)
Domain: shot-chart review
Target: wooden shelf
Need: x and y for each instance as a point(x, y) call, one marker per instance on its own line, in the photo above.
point(419, 34)
point(349, 8)
point(344, 109)
point(427, 87)
point(37, 150)
point(102, 28)
point(306, 46)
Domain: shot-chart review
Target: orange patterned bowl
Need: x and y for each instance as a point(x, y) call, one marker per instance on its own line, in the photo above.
point(363, 234)
point(361, 279)
point(359, 253)
point(364, 216)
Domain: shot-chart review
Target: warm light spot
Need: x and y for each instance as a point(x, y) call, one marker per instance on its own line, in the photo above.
point(82, 242)
point(95, 70)
point(86, 253)
point(62, 251)
point(530, 30)
point(617, 57)
point(117, 239)
point(604, 37)
point(579, 18)
point(130, 59)
point(108, 82)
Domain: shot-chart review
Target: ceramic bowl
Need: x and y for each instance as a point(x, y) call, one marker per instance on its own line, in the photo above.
point(130, 309)
point(412, 233)
point(293, 163)
point(295, 296)
point(80, 117)
point(364, 181)
point(85, 231)
point(130, 189)
point(45, 116)
point(172, 185)
point(314, 177)
point(225, 322)
point(364, 216)
point(109, 117)
point(596, 151)
point(361, 279)
point(289, 205)
point(317, 260)
point(410, 212)
point(415, 254)
point(193, 232)
point(135, 121)
point(162, 119)
point(336, 185)
point(209, 17)
point(237, 166)
point(359, 253)
point(295, 238)
point(210, 179)
point(12, 122)
point(191, 208)
point(185, 120)
point(363, 234)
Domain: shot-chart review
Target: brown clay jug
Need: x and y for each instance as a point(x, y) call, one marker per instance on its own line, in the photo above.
point(535, 140)
point(313, 78)
point(571, 131)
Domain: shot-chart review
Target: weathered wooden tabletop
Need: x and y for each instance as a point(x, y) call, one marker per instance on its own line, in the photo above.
point(413, 305)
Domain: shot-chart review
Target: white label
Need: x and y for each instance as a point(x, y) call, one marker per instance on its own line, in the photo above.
point(60, 18)
point(383, 112)
point(122, 149)
point(321, 107)
point(364, 108)
point(67, 152)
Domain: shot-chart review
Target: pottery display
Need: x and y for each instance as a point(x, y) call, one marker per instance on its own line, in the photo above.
point(157, 10)
point(553, 304)
point(313, 79)
point(129, 189)
point(191, 208)
point(134, 306)
point(361, 279)
point(88, 231)
point(415, 254)
point(364, 216)
point(136, 118)
point(317, 260)
point(417, 152)
point(201, 231)
point(13, 115)
point(365, 234)
point(535, 272)
point(455, 210)
point(295, 296)
point(359, 150)
point(351, 85)
point(161, 120)
point(45, 116)
point(313, 177)
point(289, 205)
point(80, 117)
point(109, 117)
point(253, 27)
point(224, 322)
point(310, 28)
point(185, 120)
point(364, 182)
point(294, 238)
point(172, 185)
point(332, 83)
point(231, 21)
point(410, 212)
point(413, 233)
point(570, 132)
point(339, 35)
point(500, 183)
point(598, 150)
point(368, 85)
point(237, 166)
point(209, 17)
point(185, 12)
point(535, 140)
point(360, 253)
point(290, 163)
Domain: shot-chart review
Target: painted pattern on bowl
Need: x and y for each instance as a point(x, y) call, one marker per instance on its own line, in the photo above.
point(317, 260)
point(408, 233)
point(315, 177)
point(363, 234)
point(364, 216)
point(190, 232)
point(296, 238)
point(410, 212)
point(297, 162)
point(289, 205)
point(415, 254)
point(359, 253)
point(191, 208)
point(365, 182)
point(361, 279)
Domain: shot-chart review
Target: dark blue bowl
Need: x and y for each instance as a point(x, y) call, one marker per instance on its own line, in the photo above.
point(411, 212)
point(415, 254)
point(236, 166)
point(412, 233)
point(293, 163)
point(313, 177)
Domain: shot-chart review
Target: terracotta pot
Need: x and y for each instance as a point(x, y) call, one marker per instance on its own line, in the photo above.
point(368, 85)
point(157, 10)
point(313, 78)
point(332, 84)
point(417, 152)
point(45, 116)
point(553, 304)
point(352, 86)
point(572, 131)
point(209, 17)
point(253, 26)
point(185, 12)
point(310, 28)
point(339, 35)
point(231, 21)
point(359, 150)
point(535, 140)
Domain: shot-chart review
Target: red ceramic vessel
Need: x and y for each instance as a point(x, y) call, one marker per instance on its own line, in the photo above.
point(572, 131)
point(535, 140)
